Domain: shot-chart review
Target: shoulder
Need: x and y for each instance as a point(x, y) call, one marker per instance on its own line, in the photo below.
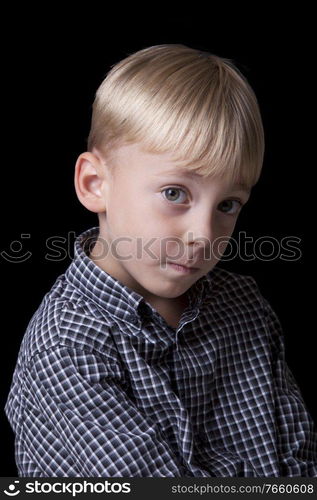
point(65, 319)
point(234, 287)
point(235, 298)
point(236, 303)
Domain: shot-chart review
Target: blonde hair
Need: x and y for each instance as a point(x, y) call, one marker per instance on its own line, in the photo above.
point(192, 104)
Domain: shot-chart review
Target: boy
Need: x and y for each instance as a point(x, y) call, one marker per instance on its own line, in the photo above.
point(146, 358)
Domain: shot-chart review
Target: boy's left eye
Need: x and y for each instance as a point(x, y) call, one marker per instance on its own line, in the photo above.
point(231, 207)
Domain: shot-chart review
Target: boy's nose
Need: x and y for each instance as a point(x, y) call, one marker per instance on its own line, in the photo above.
point(201, 233)
point(199, 242)
point(205, 248)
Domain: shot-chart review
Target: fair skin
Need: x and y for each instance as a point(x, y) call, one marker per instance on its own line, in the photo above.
point(150, 213)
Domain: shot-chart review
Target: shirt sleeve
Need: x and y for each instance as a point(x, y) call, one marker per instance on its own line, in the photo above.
point(79, 421)
point(295, 429)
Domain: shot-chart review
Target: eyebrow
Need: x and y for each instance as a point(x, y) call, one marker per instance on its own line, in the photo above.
point(239, 185)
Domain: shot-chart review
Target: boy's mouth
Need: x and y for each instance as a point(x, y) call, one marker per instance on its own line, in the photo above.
point(183, 268)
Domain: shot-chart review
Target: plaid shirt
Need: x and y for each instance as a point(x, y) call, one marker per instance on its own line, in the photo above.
point(104, 387)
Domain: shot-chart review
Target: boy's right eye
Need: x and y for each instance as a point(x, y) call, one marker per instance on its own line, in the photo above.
point(172, 194)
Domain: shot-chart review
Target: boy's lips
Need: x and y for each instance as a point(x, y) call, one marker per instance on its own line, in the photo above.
point(186, 265)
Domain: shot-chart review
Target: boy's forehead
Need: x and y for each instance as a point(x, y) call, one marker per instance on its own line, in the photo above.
point(186, 173)
point(178, 171)
point(165, 165)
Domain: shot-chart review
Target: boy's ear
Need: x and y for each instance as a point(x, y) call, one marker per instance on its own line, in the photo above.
point(91, 182)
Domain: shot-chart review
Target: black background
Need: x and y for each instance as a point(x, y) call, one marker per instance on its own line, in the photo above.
point(53, 63)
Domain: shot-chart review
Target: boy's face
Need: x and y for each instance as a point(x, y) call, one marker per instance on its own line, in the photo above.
point(156, 213)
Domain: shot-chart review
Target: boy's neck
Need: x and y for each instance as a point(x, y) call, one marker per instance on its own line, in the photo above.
point(171, 309)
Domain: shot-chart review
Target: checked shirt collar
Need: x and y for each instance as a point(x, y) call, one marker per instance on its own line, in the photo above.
point(110, 294)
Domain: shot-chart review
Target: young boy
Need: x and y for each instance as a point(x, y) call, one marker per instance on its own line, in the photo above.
point(146, 358)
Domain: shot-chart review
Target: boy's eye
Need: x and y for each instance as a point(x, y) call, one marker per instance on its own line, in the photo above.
point(230, 207)
point(172, 194)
